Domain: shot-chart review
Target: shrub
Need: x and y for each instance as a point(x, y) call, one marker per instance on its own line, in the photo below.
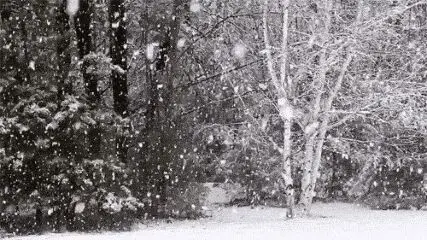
point(186, 201)
point(47, 165)
point(397, 187)
point(247, 159)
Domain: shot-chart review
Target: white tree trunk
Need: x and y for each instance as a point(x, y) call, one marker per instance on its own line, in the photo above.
point(305, 199)
point(282, 86)
point(324, 127)
point(286, 112)
point(287, 165)
point(313, 144)
point(312, 130)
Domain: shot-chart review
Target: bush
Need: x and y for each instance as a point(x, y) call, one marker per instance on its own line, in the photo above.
point(384, 202)
point(186, 202)
point(246, 159)
point(47, 166)
point(92, 195)
point(398, 187)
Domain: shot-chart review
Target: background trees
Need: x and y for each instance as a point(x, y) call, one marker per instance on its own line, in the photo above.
point(291, 99)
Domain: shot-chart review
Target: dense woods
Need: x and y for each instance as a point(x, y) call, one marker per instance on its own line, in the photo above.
point(116, 111)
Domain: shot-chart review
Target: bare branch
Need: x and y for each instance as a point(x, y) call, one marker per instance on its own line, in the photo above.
point(270, 63)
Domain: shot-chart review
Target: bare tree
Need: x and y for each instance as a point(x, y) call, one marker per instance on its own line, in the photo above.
point(283, 86)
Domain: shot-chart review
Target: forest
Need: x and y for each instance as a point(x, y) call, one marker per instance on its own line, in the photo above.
point(114, 112)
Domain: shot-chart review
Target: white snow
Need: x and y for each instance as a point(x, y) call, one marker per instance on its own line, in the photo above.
point(181, 43)
point(310, 128)
point(216, 195)
point(32, 65)
point(149, 52)
point(262, 86)
point(239, 51)
point(329, 221)
point(195, 6)
point(80, 207)
point(115, 24)
point(285, 109)
point(72, 7)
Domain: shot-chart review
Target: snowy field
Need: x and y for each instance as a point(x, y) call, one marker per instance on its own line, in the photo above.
point(329, 221)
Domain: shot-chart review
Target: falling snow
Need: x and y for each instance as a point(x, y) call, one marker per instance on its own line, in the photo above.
point(32, 65)
point(175, 119)
point(181, 43)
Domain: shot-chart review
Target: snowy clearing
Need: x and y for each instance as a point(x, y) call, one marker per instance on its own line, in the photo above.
point(329, 221)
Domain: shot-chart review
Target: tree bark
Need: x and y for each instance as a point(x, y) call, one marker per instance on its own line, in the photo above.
point(312, 128)
point(161, 129)
point(323, 129)
point(63, 50)
point(83, 26)
point(283, 86)
point(118, 52)
point(305, 199)
point(314, 144)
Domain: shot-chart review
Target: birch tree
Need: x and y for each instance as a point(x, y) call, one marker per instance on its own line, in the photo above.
point(318, 119)
point(314, 118)
point(282, 84)
point(339, 56)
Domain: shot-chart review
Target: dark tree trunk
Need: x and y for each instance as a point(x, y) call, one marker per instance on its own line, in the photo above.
point(63, 51)
point(118, 40)
point(39, 219)
point(17, 37)
point(165, 67)
point(152, 90)
point(161, 131)
point(83, 22)
point(83, 25)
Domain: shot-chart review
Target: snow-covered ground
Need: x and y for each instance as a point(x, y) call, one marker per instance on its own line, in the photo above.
point(329, 221)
